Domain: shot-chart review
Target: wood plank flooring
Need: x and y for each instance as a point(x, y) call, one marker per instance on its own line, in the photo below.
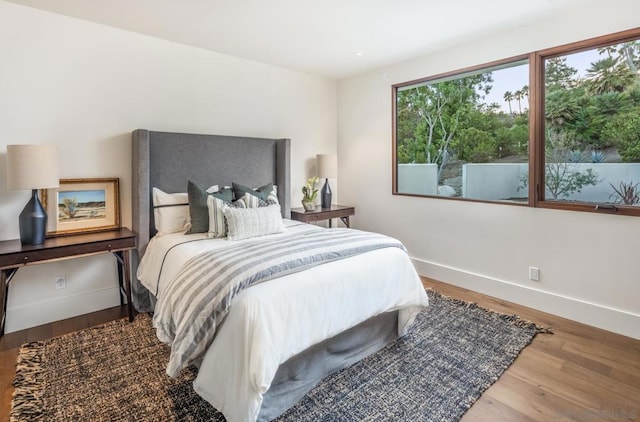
point(579, 373)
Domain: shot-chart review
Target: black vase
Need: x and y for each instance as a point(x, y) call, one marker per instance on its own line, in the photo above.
point(33, 221)
point(326, 194)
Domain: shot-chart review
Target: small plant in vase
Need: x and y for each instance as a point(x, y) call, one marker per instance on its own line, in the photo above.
point(309, 194)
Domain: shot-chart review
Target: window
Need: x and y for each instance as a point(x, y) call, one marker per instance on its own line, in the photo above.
point(559, 128)
point(454, 133)
point(591, 126)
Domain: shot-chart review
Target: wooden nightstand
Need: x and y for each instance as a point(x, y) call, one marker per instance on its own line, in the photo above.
point(14, 255)
point(342, 212)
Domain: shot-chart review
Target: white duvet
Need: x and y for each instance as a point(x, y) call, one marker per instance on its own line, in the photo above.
point(273, 321)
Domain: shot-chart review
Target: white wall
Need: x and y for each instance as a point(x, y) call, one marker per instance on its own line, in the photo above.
point(590, 264)
point(84, 87)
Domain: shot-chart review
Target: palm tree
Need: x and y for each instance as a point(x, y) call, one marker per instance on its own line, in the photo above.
point(606, 76)
point(610, 50)
point(508, 97)
point(561, 108)
point(525, 93)
point(625, 53)
point(518, 96)
point(630, 53)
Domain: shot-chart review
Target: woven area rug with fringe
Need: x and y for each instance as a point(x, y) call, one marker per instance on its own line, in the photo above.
point(116, 372)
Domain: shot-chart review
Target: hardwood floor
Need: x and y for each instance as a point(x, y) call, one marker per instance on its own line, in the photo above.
point(579, 373)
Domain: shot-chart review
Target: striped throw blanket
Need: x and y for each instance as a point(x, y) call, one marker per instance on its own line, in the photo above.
point(197, 300)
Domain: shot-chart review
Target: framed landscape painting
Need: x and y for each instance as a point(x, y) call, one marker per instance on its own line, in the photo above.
point(81, 206)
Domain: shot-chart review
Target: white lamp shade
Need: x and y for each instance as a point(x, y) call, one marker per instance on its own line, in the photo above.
point(32, 167)
point(327, 165)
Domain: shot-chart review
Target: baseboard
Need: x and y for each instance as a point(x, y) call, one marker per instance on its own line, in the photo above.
point(34, 314)
point(611, 319)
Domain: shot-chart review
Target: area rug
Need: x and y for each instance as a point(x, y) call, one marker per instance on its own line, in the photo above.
point(116, 372)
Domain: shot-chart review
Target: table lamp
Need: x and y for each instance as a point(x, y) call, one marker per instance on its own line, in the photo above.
point(327, 169)
point(32, 167)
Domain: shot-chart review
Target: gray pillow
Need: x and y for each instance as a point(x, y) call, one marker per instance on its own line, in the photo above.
point(262, 192)
point(198, 206)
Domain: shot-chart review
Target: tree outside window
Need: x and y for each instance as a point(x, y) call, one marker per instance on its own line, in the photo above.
point(482, 133)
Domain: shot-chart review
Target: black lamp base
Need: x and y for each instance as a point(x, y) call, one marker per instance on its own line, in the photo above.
point(33, 221)
point(326, 194)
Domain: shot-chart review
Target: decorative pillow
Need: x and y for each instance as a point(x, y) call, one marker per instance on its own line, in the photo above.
point(170, 212)
point(243, 223)
point(262, 192)
point(217, 223)
point(267, 193)
point(198, 206)
point(250, 201)
point(273, 196)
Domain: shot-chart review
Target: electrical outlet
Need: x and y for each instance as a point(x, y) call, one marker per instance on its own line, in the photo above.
point(61, 282)
point(534, 273)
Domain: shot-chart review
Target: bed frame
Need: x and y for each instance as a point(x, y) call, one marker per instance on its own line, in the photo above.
point(167, 161)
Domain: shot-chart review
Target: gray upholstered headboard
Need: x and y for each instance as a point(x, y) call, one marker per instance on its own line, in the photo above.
point(169, 160)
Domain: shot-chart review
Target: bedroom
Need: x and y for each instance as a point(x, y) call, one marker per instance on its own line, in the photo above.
point(85, 87)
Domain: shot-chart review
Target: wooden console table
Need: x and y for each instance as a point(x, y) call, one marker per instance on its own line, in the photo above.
point(14, 255)
point(343, 212)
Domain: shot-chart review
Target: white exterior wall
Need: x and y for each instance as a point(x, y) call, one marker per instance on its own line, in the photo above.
point(613, 173)
point(419, 179)
point(499, 181)
point(494, 181)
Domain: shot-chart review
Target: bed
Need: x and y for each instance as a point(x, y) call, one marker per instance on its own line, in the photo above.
point(279, 337)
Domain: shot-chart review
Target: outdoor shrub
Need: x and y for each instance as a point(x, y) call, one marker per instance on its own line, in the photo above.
point(562, 178)
point(624, 131)
point(597, 156)
point(575, 156)
point(626, 193)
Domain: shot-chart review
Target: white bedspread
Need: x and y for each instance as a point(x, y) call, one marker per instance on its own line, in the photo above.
point(273, 321)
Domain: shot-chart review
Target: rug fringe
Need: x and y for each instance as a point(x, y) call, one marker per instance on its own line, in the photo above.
point(27, 396)
point(516, 320)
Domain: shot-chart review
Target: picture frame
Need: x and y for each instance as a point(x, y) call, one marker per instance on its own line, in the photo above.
point(82, 206)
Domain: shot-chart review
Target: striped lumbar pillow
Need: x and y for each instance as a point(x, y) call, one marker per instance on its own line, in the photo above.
point(253, 222)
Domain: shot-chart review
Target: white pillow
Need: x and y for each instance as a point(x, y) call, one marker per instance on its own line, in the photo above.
point(170, 212)
point(243, 223)
point(217, 225)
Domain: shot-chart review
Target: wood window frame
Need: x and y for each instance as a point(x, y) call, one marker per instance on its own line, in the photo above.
point(455, 73)
point(536, 59)
point(536, 124)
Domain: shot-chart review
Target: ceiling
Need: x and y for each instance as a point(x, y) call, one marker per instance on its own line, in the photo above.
point(331, 38)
